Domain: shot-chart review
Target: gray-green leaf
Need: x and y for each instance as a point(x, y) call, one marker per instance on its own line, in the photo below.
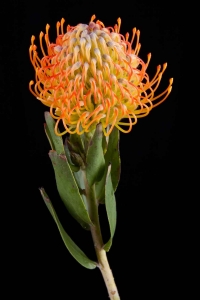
point(55, 141)
point(67, 153)
point(95, 162)
point(74, 250)
point(76, 143)
point(112, 157)
point(110, 208)
point(68, 189)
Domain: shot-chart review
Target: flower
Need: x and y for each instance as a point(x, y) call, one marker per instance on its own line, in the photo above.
point(91, 74)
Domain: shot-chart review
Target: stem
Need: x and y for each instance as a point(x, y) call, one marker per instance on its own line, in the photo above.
point(98, 242)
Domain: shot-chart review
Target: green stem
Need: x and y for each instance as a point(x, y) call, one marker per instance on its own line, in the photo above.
point(98, 242)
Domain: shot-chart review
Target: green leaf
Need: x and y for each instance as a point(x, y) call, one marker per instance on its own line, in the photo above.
point(67, 153)
point(80, 182)
point(112, 157)
point(100, 189)
point(95, 162)
point(86, 138)
point(77, 160)
point(49, 136)
point(55, 141)
point(74, 250)
point(104, 144)
point(68, 189)
point(76, 143)
point(110, 208)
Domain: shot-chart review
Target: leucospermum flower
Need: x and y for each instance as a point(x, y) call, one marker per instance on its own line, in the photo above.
point(93, 74)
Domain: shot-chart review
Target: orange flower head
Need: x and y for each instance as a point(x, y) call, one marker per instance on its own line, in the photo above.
point(93, 74)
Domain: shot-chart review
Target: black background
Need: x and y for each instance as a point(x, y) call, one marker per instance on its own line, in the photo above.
point(145, 256)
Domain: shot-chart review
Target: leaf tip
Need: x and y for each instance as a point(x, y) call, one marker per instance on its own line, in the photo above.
point(44, 195)
point(46, 114)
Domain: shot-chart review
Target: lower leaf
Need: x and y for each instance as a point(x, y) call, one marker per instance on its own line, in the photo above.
point(74, 250)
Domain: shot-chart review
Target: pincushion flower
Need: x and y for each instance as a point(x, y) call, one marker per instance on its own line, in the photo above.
point(95, 84)
point(91, 74)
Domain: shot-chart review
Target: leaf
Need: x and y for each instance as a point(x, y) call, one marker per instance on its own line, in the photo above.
point(86, 138)
point(80, 182)
point(67, 153)
point(110, 208)
point(100, 189)
point(49, 136)
point(77, 160)
point(104, 143)
point(55, 141)
point(95, 162)
point(77, 143)
point(112, 157)
point(74, 250)
point(68, 189)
